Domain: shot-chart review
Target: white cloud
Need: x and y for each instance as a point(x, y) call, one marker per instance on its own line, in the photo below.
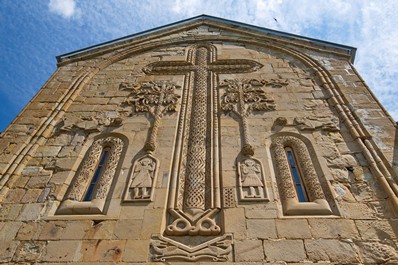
point(64, 8)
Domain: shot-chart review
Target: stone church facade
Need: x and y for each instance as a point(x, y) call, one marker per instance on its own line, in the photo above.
point(203, 141)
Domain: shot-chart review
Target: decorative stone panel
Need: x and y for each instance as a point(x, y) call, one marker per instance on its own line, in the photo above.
point(317, 204)
point(73, 203)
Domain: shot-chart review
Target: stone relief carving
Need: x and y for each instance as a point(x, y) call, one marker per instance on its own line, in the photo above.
point(242, 97)
point(155, 98)
point(251, 180)
point(73, 202)
point(194, 200)
point(318, 203)
point(275, 83)
point(163, 249)
point(142, 179)
point(326, 123)
point(320, 119)
point(229, 198)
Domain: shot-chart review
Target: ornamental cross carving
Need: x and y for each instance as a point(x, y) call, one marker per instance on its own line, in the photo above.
point(194, 195)
point(242, 97)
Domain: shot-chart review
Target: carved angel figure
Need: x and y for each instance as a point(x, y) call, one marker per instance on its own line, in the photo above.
point(142, 181)
point(250, 170)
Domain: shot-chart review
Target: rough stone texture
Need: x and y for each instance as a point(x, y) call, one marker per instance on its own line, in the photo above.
point(351, 217)
point(378, 253)
point(295, 228)
point(286, 250)
point(249, 250)
point(332, 228)
point(330, 250)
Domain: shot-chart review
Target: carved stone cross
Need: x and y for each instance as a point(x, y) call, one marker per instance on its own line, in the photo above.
point(201, 64)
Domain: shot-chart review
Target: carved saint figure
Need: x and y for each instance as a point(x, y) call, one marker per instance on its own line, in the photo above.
point(250, 170)
point(142, 181)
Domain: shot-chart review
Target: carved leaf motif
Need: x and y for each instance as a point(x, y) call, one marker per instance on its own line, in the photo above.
point(153, 94)
point(244, 95)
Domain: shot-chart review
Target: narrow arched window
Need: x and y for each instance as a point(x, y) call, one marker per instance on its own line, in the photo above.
point(297, 176)
point(89, 189)
point(97, 174)
point(299, 187)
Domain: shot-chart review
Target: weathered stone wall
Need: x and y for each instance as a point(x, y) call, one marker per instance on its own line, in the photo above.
point(52, 136)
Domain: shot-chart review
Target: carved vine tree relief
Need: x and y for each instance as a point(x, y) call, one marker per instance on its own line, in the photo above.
point(242, 97)
point(155, 98)
point(194, 200)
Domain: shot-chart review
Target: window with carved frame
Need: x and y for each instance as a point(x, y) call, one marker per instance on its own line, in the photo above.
point(89, 189)
point(296, 175)
point(297, 180)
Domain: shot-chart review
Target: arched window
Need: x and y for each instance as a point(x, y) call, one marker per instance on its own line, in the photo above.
point(90, 186)
point(299, 187)
point(297, 176)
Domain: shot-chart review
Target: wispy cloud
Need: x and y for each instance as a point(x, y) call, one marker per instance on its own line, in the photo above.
point(64, 8)
point(34, 37)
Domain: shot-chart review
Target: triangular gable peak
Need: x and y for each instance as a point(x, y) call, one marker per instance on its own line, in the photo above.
point(208, 28)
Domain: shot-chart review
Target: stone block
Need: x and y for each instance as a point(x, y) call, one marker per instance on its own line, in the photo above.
point(7, 250)
point(31, 212)
point(101, 230)
point(377, 229)
point(284, 250)
point(127, 229)
point(260, 213)
point(10, 211)
point(151, 223)
point(132, 212)
point(8, 230)
point(378, 253)
point(258, 228)
point(101, 250)
point(63, 250)
point(333, 228)
point(76, 229)
point(293, 228)
point(52, 230)
point(235, 222)
point(31, 195)
point(29, 231)
point(29, 251)
point(136, 251)
point(330, 250)
point(249, 250)
point(15, 195)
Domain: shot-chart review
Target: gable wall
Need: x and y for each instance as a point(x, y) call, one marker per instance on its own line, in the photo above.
point(361, 229)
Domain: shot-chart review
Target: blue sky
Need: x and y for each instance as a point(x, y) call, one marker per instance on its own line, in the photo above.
point(33, 32)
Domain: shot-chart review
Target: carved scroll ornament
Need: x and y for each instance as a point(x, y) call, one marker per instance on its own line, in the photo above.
point(217, 249)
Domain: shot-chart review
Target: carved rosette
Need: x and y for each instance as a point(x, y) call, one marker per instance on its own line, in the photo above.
point(142, 180)
point(284, 178)
point(87, 170)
